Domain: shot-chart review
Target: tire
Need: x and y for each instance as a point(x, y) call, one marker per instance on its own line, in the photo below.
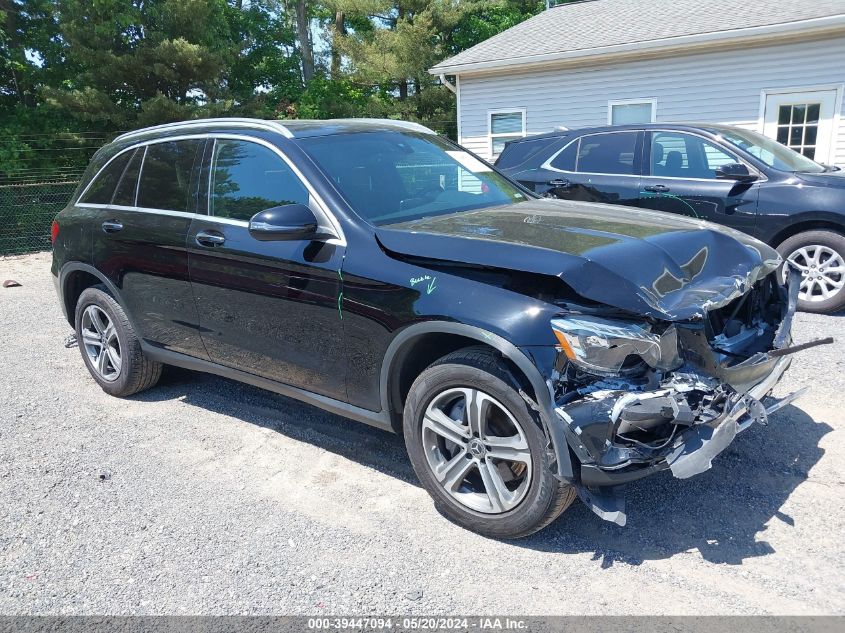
point(101, 324)
point(812, 250)
point(477, 375)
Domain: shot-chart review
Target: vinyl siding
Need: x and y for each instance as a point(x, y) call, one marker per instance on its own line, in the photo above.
point(713, 87)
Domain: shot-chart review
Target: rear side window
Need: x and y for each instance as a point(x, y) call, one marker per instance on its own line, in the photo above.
point(166, 175)
point(124, 194)
point(607, 153)
point(518, 152)
point(247, 178)
point(102, 188)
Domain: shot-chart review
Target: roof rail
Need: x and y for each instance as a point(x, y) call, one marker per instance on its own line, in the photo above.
point(408, 125)
point(275, 126)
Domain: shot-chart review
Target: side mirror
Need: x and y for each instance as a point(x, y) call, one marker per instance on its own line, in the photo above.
point(735, 171)
point(287, 222)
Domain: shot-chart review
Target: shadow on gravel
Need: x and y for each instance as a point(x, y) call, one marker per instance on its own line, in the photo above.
point(358, 442)
point(720, 513)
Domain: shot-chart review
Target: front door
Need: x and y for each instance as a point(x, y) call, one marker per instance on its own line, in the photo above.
point(269, 308)
point(680, 177)
point(802, 121)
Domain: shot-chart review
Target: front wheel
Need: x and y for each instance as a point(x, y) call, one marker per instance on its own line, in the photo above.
point(820, 256)
point(479, 450)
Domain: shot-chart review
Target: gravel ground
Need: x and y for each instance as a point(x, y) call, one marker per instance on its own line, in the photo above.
point(205, 496)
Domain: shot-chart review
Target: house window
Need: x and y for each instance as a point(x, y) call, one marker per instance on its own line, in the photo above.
point(631, 111)
point(798, 126)
point(504, 126)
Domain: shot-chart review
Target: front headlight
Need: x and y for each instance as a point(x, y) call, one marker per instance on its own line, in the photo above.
point(602, 345)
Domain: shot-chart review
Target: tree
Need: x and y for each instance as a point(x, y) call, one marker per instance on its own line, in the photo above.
point(31, 58)
point(482, 19)
point(263, 71)
point(73, 72)
point(303, 31)
point(27, 32)
point(387, 46)
point(142, 60)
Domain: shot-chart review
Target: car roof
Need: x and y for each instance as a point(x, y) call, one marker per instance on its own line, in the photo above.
point(681, 127)
point(293, 128)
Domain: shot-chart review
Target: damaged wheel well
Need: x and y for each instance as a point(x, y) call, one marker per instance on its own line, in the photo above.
point(422, 351)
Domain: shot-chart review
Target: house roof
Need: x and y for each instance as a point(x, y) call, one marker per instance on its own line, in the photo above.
point(595, 28)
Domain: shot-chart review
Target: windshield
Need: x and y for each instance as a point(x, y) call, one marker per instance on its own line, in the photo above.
point(396, 176)
point(770, 152)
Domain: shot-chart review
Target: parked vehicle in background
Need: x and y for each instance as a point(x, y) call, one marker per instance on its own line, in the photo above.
point(530, 350)
point(723, 174)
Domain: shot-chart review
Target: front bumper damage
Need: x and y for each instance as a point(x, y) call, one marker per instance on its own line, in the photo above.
point(705, 405)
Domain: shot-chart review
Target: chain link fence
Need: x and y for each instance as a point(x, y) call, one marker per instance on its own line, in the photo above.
point(38, 175)
point(27, 209)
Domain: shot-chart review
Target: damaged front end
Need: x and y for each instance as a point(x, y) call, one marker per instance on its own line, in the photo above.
point(639, 397)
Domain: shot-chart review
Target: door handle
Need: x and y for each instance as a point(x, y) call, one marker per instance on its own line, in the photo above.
point(656, 188)
point(112, 226)
point(210, 238)
point(560, 183)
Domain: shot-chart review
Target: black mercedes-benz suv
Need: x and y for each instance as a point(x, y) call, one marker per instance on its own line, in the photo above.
point(713, 172)
point(530, 350)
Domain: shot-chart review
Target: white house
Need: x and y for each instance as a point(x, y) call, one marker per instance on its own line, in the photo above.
point(771, 65)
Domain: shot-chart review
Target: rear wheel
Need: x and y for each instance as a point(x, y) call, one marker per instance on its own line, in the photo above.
point(479, 450)
point(820, 256)
point(109, 346)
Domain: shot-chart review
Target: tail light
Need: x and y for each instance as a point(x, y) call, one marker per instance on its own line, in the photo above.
point(54, 232)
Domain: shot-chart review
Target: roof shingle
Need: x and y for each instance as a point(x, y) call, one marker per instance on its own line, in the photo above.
point(594, 24)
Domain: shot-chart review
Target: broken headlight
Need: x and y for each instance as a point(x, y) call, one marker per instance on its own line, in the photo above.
point(605, 346)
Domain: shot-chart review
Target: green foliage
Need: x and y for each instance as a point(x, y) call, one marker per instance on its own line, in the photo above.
point(75, 72)
point(330, 99)
point(263, 69)
point(140, 61)
point(487, 19)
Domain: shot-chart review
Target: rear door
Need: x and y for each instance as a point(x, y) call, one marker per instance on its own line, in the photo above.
point(602, 167)
point(139, 241)
point(680, 177)
point(270, 308)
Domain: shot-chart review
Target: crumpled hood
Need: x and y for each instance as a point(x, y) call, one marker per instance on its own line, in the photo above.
point(660, 265)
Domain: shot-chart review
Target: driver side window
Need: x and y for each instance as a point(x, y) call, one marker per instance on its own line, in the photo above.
point(247, 178)
point(678, 155)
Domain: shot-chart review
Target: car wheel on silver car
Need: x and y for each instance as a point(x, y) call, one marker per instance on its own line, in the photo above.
point(820, 256)
point(109, 346)
point(478, 448)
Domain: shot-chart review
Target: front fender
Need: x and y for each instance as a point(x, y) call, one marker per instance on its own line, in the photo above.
point(524, 362)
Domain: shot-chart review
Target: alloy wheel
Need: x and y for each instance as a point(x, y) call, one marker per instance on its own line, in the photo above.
point(101, 343)
point(477, 450)
point(822, 272)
